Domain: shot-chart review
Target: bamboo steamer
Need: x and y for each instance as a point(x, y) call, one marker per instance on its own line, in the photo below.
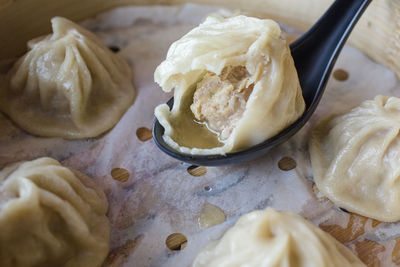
point(377, 34)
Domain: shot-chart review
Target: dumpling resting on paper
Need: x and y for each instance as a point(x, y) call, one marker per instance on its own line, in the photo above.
point(235, 86)
point(51, 216)
point(272, 238)
point(356, 158)
point(68, 84)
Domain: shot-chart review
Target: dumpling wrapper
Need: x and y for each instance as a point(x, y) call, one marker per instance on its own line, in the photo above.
point(275, 101)
point(51, 216)
point(272, 238)
point(355, 158)
point(67, 85)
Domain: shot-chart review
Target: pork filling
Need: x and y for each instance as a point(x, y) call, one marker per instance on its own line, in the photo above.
point(220, 100)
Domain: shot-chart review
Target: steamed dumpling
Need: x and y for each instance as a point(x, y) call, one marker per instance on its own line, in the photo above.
point(272, 238)
point(51, 216)
point(355, 158)
point(68, 84)
point(235, 86)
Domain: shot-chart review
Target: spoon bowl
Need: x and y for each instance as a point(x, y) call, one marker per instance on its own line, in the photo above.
point(314, 54)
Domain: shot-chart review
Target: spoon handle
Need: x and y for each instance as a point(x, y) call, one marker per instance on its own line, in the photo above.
point(316, 51)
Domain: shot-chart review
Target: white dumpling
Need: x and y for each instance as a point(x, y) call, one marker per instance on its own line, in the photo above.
point(68, 84)
point(51, 216)
point(235, 86)
point(272, 238)
point(355, 158)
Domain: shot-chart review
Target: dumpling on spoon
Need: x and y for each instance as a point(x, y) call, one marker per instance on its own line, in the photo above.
point(235, 86)
point(355, 158)
point(67, 85)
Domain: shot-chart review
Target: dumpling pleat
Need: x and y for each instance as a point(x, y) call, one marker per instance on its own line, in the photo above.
point(355, 158)
point(50, 217)
point(68, 84)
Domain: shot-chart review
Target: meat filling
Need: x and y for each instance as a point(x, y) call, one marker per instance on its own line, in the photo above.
point(220, 100)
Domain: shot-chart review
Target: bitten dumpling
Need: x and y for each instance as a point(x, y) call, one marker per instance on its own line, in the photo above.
point(355, 158)
point(272, 238)
point(67, 85)
point(51, 216)
point(235, 86)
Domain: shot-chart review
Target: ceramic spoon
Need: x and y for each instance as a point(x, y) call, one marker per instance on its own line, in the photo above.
point(314, 54)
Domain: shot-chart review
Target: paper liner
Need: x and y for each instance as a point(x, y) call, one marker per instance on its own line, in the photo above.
point(161, 197)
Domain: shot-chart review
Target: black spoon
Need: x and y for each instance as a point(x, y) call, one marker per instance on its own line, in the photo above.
point(314, 54)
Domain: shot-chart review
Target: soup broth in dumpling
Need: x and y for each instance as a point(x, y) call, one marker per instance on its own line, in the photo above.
point(235, 86)
point(68, 84)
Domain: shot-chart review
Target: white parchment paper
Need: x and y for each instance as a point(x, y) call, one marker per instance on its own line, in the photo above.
point(161, 197)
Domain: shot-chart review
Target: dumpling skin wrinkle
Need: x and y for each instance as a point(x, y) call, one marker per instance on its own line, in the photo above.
point(254, 91)
point(269, 238)
point(51, 216)
point(67, 85)
point(355, 158)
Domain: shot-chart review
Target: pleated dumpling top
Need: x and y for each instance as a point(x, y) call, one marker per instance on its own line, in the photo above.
point(355, 158)
point(68, 85)
point(51, 216)
point(267, 238)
